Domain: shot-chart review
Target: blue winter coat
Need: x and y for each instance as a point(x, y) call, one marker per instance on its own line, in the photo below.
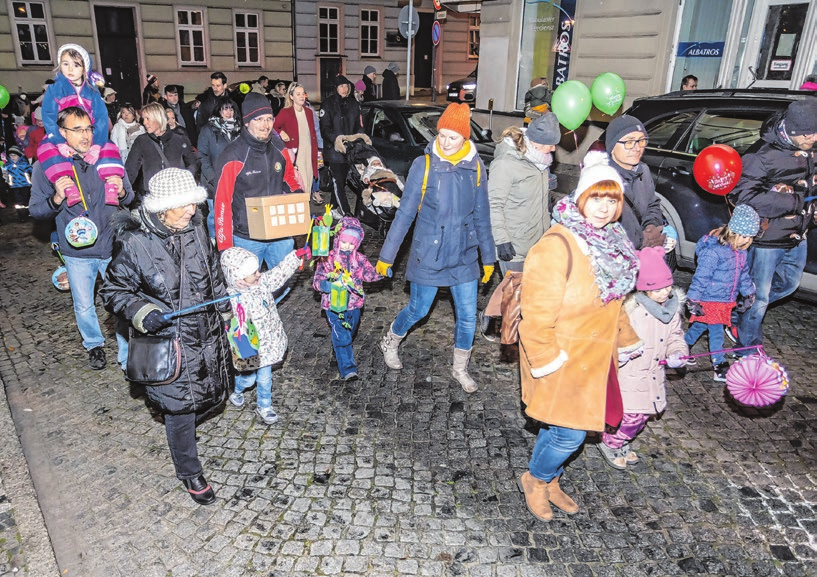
point(722, 273)
point(452, 223)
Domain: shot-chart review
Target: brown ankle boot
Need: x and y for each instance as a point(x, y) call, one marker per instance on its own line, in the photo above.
point(536, 496)
point(559, 498)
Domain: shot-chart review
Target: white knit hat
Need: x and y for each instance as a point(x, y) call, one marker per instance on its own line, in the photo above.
point(596, 168)
point(86, 59)
point(172, 188)
point(238, 263)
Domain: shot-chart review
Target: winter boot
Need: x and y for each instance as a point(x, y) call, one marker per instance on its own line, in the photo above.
point(559, 499)
point(388, 344)
point(536, 496)
point(460, 370)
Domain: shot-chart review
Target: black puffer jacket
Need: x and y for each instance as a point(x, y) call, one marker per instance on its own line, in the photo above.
point(339, 116)
point(642, 207)
point(784, 217)
point(153, 268)
point(145, 160)
point(391, 88)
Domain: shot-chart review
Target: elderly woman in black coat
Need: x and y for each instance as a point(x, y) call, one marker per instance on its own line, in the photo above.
point(165, 262)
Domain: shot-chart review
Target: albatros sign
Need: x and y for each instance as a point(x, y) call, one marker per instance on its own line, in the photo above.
point(700, 49)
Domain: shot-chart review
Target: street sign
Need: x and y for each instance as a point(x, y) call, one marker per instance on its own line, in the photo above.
point(403, 21)
point(436, 32)
point(440, 15)
point(437, 5)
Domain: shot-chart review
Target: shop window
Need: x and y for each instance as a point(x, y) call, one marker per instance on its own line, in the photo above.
point(247, 38)
point(473, 36)
point(191, 34)
point(369, 32)
point(30, 22)
point(328, 30)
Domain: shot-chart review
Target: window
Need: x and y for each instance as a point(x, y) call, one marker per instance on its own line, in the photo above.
point(30, 25)
point(369, 32)
point(328, 30)
point(473, 36)
point(190, 31)
point(247, 38)
point(740, 130)
point(665, 132)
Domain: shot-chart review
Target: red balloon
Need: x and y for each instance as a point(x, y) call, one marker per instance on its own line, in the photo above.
point(717, 169)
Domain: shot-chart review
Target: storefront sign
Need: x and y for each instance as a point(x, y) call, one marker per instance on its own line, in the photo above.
point(564, 44)
point(780, 65)
point(700, 49)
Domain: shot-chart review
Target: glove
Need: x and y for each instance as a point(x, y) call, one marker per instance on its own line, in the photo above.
point(383, 268)
point(155, 321)
point(111, 194)
point(695, 308)
point(745, 304)
point(505, 251)
point(72, 195)
point(675, 361)
point(653, 236)
point(487, 271)
point(326, 286)
point(625, 357)
point(305, 251)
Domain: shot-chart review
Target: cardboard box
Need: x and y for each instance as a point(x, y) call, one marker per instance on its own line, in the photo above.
point(279, 216)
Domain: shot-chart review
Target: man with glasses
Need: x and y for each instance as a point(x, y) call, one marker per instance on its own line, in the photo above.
point(83, 263)
point(625, 140)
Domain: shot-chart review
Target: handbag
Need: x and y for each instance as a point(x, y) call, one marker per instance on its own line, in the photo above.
point(153, 359)
point(511, 308)
point(244, 342)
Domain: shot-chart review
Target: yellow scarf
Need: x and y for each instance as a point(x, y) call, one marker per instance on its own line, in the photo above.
point(457, 156)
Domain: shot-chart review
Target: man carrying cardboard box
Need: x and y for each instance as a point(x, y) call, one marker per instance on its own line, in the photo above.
point(253, 165)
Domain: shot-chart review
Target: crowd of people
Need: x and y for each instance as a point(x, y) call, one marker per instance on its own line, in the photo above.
point(154, 203)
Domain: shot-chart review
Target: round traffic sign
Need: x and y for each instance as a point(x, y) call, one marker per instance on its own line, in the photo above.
point(437, 5)
point(436, 32)
point(403, 21)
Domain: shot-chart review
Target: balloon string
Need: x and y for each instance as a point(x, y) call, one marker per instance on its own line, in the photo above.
point(695, 356)
point(576, 140)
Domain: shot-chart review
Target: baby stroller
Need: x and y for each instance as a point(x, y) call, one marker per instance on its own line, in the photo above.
point(378, 189)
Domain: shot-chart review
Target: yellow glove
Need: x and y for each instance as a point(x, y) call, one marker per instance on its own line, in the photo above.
point(487, 271)
point(383, 268)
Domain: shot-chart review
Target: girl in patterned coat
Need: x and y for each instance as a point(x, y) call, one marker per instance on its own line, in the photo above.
point(256, 303)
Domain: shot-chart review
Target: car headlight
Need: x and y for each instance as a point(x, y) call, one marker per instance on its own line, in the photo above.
point(447, 86)
point(469, 86)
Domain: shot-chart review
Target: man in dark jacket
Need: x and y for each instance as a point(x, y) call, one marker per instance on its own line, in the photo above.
point(369, 75)
point(86, 262)
point(184, 112)
point(778, 174)
point(217, 90)
point(641, 216)
point(391, 88)
point(339, 115)
point(252, 165)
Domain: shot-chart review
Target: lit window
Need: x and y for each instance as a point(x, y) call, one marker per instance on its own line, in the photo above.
point(369, 32)
point(328, 30)
point(473, 36)
point(247, 38)
point(30, 22)
point(190, 29)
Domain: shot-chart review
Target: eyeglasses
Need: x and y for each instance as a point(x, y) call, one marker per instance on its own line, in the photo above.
point(630, 144)
point(87, 130)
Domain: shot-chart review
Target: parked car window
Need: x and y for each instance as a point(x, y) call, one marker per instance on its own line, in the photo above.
point(384, 128)
point(666, 131)
point(423, 126)
point(736, 129)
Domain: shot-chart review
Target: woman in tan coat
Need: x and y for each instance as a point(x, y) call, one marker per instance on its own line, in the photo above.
point(573, 332)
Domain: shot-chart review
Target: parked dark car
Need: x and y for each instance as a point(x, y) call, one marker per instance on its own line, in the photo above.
point(680, 125)
point(401, 131)
point(464, 89)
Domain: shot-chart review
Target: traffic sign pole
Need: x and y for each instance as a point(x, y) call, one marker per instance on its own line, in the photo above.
point(408, 55)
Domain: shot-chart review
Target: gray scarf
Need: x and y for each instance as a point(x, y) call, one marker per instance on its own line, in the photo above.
point(662, 311)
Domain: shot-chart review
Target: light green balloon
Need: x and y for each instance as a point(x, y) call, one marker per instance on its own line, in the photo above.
point(608, 92)
point(571, 103)
point(4, 96)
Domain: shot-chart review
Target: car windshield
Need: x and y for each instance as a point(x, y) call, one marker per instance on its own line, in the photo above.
point(423, 125)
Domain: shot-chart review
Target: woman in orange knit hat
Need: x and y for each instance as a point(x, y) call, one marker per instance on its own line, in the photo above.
point(446, 193)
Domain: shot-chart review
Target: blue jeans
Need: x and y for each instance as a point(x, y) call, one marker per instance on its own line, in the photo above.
point(263, 378)
point(465, 309)
point(342, 339)
point(271, 252)
point(695, 331)
point(211, 218)
point(776, 273)
point(553, 447)
point(82, 274)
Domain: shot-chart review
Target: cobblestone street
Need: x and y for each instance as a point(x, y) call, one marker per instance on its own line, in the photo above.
point(399, 473)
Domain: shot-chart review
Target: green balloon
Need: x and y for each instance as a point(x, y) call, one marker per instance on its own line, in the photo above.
point(4, 96)
point(608, 92)
point(571, 103)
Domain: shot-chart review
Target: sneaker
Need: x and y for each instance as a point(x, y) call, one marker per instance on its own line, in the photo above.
point(96, 358)
point(267, 415)
point(691, 362)
point(484, 323)
point(237, 399)
point(731, 333)
point(351, 376)
point(720, 372)
point(613, 457)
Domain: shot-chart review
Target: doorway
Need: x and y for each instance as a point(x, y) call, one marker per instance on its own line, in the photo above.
point(118, 51)
point(422, 51)
point(330, 68)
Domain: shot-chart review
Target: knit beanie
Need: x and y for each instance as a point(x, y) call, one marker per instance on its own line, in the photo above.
point(86, 59)
point(744, 221)
point(457, 117)
point(620, 127)
point(172, 188)
point(15, 150)
point(151, 78)
point(238, 263)
point(394, 67)
point(653, 272)
point(596, 168)
point(350, 231)
point(38, 113)
point(340, 80)
point(360, 85)
point(544, 130)
point(369, 69)
point(801, 117)
point(255, 105)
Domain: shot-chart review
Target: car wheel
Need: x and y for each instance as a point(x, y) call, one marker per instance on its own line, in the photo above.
point(672, 260)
